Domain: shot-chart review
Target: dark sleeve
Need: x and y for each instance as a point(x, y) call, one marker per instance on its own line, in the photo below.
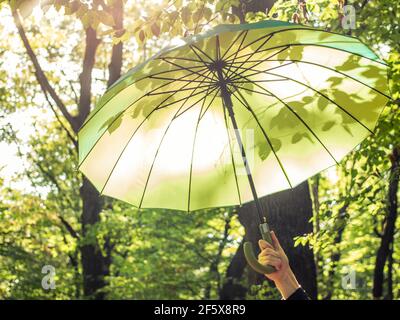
point(299, 294)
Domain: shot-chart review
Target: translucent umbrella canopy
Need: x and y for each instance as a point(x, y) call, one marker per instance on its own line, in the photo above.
point(303, 98)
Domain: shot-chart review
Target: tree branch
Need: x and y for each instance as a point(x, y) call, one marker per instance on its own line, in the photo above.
point(71, 85)
point(114, 68)
point(85, 78)
point(69, 228)
point(70, 136)
point(384, 250)
point(40, 76)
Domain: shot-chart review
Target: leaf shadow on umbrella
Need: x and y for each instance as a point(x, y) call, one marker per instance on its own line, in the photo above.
point(295, 118)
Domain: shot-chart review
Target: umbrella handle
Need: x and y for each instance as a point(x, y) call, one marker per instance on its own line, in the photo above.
point(251, 257)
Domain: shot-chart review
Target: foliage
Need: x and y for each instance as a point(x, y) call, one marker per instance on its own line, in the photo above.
point(355, 201)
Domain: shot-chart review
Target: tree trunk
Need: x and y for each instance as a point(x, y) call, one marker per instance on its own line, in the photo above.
point(288, 214)
point(114, 68)
point(389, 295)
point(316, 207)
point(340, 225)
point(214, 266)
point(85, 78)
point(232, 289)
point(389, 227)
point(94, 266)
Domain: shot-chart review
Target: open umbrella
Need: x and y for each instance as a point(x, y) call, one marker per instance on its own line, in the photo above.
point(238, 112)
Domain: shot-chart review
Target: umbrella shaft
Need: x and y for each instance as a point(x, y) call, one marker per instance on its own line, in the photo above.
point(229, 106)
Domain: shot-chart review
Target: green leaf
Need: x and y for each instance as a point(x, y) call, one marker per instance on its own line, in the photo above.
point(328, 125)
point(276, 144)
point(263, 150)
point(155, 29)
point(198, 15)
point(86, 20)
point(297, 137)
point(105, 18)
point(207, 13)
point(142, 35)
point(185, 15)
point(72, 8)
point(165, 27)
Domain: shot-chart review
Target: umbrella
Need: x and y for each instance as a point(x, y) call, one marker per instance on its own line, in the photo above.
point(238, 112)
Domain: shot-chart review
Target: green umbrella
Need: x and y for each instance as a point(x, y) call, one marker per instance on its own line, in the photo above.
point(238, 112)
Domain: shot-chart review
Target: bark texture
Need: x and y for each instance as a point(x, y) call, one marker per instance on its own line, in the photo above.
point(385, 249)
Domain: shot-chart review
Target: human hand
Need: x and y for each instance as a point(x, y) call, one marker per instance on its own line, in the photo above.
point(275, 256)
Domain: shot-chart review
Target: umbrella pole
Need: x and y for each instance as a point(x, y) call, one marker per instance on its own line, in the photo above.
point(226, 96)
point(228, 105)
point(263, 227)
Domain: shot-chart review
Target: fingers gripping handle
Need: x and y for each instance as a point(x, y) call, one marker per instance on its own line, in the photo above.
point(251, 257)
point(253, 262)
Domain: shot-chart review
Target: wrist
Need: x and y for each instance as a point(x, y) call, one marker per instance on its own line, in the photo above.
point(287, 284)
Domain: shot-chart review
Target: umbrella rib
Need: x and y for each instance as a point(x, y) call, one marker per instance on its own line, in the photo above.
point(202, 115)
point(207, 93)
point(232, 158)
point(123, 150)
point(284, 47)
point(217, 45)
point(259, 71)
point(336, 104)
point(159, 146)
point(159, 107)
point(130, 106)
point(186, 68)
point(137, 129)
point(149, 76)
point(248, 107)
point(254, 91)
point(248, 81)
point(194, 142)
point(321, 31)
point(249, 44)
point(298, 117)
point(318, 65)
point(180, 58)
point(183, 80)
point(186, 89)
point(266, 59)
point(205, 63)
point(234, 41)
point(236, 53)
point(167, 71)
point(202, 60)
point(327, 98)
point(204, 53)
point(312, 45)
point(254, 52)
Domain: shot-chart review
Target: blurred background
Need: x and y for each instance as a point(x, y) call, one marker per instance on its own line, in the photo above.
point(60, 240)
